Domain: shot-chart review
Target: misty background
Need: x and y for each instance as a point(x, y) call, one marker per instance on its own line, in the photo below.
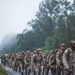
point(14, 15)
point(27, 25)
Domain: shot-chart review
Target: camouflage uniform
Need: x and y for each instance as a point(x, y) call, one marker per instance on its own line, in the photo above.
point(36, 63)
point(45, 64)
point(10, 60)
point(3, 59)
point(59, 62)
point(59, 58)
point(7, 60)
point(69, 61)
point(20, 62)
point(52, 62)
point(14, 62)
point(27, 61)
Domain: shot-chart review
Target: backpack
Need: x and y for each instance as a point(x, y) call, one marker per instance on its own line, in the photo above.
point(68, 54)
point(35, 59)
point(53, 60)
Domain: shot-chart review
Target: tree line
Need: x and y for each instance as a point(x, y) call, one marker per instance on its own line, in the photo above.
point(54, 24)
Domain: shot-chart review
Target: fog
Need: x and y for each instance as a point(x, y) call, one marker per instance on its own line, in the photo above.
point(14, 15)
point(8, 43)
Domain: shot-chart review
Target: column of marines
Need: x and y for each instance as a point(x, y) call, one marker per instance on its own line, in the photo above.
point(55, 62)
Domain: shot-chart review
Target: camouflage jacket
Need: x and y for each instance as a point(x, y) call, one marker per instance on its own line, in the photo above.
point(69, 59)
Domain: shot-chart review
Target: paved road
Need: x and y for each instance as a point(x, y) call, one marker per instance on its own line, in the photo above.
point(11, 72)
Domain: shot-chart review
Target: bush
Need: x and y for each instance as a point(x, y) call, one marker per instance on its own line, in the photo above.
point(2, 71)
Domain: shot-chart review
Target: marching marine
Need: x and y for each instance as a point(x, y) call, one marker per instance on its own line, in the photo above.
point(52, 62)
point(69, 59)
point(27, 61)
point(37, 61)
point(59, 58)
point(45, 64)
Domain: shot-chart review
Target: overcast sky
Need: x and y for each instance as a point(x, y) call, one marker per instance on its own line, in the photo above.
point(14, 15)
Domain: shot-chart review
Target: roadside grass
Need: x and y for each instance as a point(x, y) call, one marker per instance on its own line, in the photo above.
point(2, 71)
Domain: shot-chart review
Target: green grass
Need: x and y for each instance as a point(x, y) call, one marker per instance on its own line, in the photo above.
point(2, 71)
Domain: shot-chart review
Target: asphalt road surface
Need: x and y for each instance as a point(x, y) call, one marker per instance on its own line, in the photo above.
point(11, 72)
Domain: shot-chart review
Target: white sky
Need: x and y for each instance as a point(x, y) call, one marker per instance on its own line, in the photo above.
point(14, 15)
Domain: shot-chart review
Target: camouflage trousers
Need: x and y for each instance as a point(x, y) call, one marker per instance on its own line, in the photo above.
point(59, 71)
point(10, 63)
point(45, 70)
point(68, 72)
point(73, 71)
point(4, 62)
point(27, 69)
point(14, 65)
point(53, 71)
point(37, 69)
point(21, 65)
